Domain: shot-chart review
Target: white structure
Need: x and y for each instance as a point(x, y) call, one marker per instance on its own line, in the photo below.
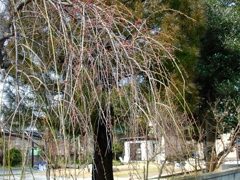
point(139, 149)
point(144, 149)
point(224, 143)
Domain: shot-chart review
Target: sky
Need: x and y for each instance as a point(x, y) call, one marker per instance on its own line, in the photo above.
point(2, 6)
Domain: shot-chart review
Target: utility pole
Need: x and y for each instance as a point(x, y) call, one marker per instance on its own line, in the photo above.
point(32, 153)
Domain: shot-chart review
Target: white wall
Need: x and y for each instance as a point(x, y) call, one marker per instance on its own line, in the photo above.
point(126, 157)
point(149, 149)
point(222, 143)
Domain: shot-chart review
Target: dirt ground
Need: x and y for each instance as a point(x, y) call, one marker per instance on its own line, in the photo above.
point(133, 170)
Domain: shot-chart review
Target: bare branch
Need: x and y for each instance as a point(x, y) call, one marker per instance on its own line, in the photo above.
point(20, 4)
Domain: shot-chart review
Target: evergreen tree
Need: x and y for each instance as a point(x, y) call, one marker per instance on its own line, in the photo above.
point(181, 25)
point(218, 71)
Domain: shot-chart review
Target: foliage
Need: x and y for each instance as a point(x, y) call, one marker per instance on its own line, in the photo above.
point(13, 157)
point(117, 163)
point(117, 147)
point(218, 73)
point(181, 25)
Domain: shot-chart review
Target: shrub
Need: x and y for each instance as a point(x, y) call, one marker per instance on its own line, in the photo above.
point(15, 157)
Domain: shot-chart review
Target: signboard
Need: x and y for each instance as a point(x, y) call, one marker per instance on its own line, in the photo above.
point(36, 152)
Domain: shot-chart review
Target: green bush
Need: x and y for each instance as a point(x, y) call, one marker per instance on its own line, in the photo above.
point(117, 163)
point(15, 157)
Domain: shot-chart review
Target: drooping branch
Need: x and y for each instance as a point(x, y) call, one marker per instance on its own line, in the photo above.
point(20, 4)
point(6, 25)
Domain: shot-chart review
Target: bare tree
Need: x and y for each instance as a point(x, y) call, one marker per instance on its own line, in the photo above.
point(220, 148)
point(92, 67)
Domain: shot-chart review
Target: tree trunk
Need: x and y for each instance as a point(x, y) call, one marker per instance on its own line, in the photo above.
point(102, 160)
point(210, 150)
point(48, 170)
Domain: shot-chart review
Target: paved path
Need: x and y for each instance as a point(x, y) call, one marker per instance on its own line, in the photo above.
point(16, 174)
point(133, 171)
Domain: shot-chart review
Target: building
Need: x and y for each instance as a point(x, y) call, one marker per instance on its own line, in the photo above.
point(151, 149)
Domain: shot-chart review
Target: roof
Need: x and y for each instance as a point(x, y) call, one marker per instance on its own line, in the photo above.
point(138, 138)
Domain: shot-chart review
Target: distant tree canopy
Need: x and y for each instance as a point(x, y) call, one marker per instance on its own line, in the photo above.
point(180, 24)
point(218, 68)
point(218, 73)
